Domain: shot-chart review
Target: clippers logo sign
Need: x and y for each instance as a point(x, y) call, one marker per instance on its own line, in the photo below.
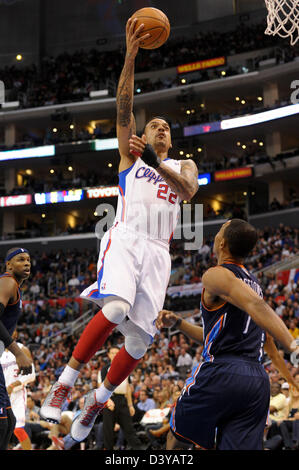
point(9, 201)
point(233, 174)
point(96, 193)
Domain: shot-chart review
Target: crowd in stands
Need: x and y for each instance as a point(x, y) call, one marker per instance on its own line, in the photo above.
point(64, 180)
point(160, 375)
point(63, 133)
point(70, 77)
point(51, 296)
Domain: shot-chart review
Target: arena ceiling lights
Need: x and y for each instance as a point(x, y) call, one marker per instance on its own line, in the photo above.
point(34, 152)
point(258, 118)
point(112, 143)
point(242, 121)
point(106, 144)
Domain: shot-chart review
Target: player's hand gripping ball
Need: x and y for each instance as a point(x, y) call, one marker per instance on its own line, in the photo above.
point(155, 23)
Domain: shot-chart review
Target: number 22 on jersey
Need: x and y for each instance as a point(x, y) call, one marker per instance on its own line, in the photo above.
point(163, 193)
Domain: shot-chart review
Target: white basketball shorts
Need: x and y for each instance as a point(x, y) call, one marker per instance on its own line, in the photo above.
point(136, 269)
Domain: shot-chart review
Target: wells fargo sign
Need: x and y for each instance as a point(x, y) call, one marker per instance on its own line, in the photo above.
point(233, 174)
point(201, 64)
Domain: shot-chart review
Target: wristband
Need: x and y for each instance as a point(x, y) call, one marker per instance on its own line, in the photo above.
point(177, 323)
point(150, 157)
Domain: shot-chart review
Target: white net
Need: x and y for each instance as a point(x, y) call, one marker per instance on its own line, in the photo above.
point(283, 19)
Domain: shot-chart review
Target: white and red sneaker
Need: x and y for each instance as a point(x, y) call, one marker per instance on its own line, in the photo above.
point(84, 422)
point(51, 407)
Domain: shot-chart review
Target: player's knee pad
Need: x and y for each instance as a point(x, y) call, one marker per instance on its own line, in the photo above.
point(137, 345)
point(116, 309)
point(21, 434)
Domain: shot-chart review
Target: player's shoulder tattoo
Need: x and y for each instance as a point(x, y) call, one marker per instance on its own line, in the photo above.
point(189, 168)
point(189, 165)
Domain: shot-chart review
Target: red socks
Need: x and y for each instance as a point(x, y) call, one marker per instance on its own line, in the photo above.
point(121, 367)
point(93, 337)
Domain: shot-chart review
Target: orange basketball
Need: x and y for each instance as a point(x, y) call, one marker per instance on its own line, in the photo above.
point(155, 23)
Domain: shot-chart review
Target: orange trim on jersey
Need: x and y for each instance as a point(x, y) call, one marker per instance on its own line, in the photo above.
point(190, 440)
point(14, 303)
point(232, 262)
point(171, 236)
point(210, 309)
point(173, 414)
point(90, 293)
point(124, 203)
point(3, 417)
point(194, 376)
point(206, 343)
point(6, 274)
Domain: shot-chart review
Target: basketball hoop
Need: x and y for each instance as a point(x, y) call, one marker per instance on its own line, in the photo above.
point(283, 19)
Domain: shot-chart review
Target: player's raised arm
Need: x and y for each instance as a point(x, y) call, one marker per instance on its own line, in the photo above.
point(221, 282)
point(184, 184)
point(125, 122)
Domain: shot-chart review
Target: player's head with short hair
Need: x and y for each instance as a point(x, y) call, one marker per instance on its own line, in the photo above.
point(162, 118)
point(236, 239)
point(18, 262)
point(158, 134)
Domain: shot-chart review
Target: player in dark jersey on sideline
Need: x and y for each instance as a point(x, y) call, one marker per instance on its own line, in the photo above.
point(17, 270)
point(227, 396)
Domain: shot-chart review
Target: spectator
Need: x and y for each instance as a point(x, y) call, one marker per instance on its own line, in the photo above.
point(293, 329)
point(145, 403)
point(74, 281)
point(278, 404)
point(184, 363)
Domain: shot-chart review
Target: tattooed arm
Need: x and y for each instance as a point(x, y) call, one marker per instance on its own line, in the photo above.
point(184, 184)
point(125, 122)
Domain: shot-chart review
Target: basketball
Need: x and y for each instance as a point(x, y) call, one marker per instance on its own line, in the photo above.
point(156, 23)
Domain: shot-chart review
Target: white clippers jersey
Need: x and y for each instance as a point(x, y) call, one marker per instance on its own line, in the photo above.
point(146, 204)
point(9, 366)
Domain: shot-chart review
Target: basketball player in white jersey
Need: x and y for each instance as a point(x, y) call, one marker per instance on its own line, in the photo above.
point(16, 389)
point(134, 261)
